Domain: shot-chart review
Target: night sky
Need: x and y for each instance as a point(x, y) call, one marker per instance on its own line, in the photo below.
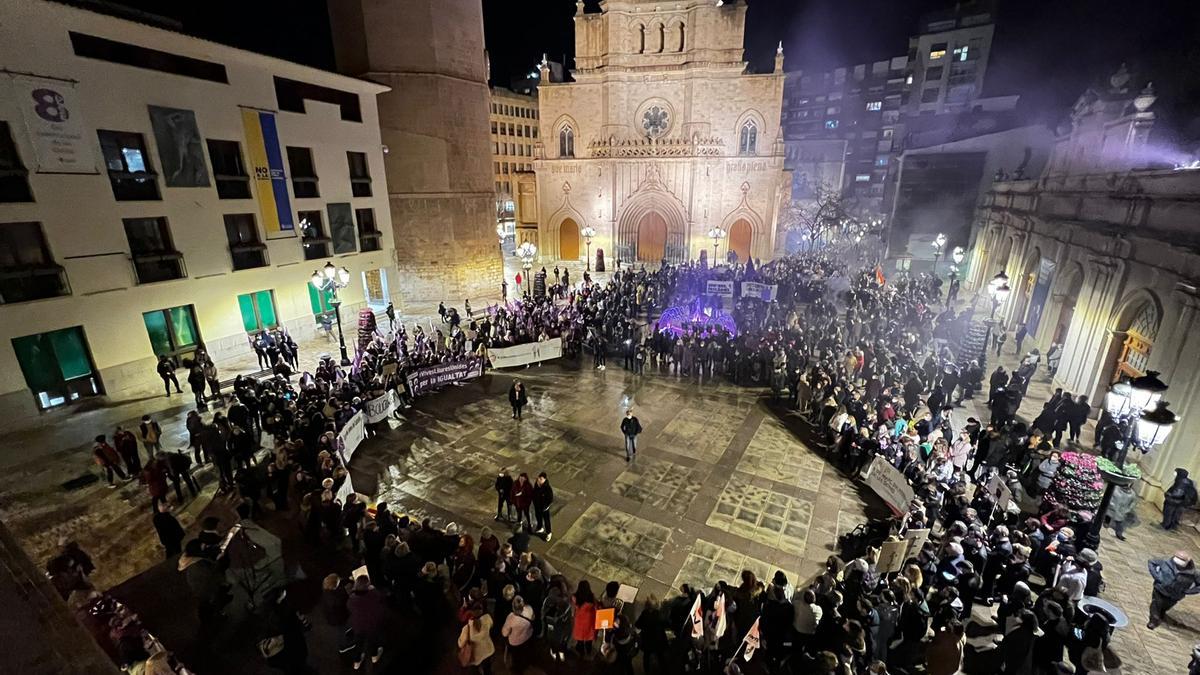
point(1046, 50)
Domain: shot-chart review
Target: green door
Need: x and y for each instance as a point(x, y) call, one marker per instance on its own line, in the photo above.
point(57, 366)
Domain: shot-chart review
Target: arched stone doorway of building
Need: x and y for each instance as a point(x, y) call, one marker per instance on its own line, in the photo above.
point(568, 240)
point(1072, 283)
point(1025, 283)
point(1133, 336)
point(740, 235)
point(651, 238)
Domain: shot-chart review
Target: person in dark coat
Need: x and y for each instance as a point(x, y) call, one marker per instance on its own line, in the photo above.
point(543, 497)
point(127, 446)
point(166, 370)
point(368, 613)
point(504, 506)
point(170, 532)
point(630, 428)
point(1174, 579)
point(107, 458)
point(517, 398)
point(522, 498)
point(1181, 495)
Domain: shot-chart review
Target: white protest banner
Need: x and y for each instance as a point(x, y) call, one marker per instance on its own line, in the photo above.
point(54, 122)
point(721, 288)
point(351, 436)
point(378, 409)
point(345, 490)
point(764, 292)
point(889, 484)
point(530, 352)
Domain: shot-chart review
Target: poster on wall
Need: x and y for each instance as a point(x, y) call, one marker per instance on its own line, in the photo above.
point(341, 228)
point(1037, 299)
point(267, 174)
point(54, 124)
point(180, 151)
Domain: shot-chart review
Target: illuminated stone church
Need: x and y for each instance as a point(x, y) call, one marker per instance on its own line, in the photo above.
point(662, 136)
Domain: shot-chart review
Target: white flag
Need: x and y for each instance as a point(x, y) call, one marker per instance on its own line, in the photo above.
point(697, 617)
point(719, 612)
point(751, 641)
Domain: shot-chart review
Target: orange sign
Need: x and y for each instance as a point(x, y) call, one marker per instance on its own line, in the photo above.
point(605, 618)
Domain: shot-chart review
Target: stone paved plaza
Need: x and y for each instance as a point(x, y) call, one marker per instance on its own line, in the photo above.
point(721, 483)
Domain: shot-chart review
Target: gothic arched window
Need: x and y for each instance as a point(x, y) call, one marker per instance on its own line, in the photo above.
point(748, 138)
point(566, 142)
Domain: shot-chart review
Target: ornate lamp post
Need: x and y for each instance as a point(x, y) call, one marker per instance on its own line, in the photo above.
point(588, 232)
point(716, 234)
point(957, 255)
point(527, 251)
point(330, 279)
point(998, 291)
point(1145, 421)
point(500, 234)
point(939, 245)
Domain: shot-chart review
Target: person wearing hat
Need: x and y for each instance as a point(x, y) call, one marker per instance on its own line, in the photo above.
point(1181, 495)
point(1174, 578)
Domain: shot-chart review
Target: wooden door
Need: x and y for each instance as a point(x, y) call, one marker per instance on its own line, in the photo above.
point(739, 240)
point(652, 238)
point(568, 240)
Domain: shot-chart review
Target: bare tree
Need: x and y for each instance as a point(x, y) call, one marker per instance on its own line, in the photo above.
point(822, 219)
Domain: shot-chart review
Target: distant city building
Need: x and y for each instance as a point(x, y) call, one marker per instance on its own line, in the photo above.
point(163, 193)
point(514, 130)
point(662, 136)
point(869, 105)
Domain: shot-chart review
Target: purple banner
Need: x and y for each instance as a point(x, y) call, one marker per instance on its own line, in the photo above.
point(425, 379)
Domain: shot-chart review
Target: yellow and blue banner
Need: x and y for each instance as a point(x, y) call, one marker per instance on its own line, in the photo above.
point(270, 181)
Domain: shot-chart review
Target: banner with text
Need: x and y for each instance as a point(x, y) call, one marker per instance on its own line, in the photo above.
point(378, 409)
point(351, 436)
point(764, 292)
point(54, 122)
point(721, 288)
point(520, 355)
point(432, 377)
point(266, 172)
point(889, 484)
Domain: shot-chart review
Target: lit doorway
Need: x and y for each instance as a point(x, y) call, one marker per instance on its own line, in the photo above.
point(58, 366)
point(651, 238)
point(568, 240)
point(739, 240)
point(375, 288)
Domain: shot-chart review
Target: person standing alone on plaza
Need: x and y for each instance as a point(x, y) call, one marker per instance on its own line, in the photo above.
point(166, 370)
point(1019, 337)
point(543, 497)
point(630, 427)
point(517, 398)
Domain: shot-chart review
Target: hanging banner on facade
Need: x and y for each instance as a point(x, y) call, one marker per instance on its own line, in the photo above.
point(180, 150)
point(266, 172)
point(378, 409)
point(351, 436)
point(764, 292)
point(889, 484)
point(721, 288)
point(1037, 299)
point(520, 355)
point(424, 379)
point(54, 123)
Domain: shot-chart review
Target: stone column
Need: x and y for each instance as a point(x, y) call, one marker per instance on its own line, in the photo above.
point(434, 124)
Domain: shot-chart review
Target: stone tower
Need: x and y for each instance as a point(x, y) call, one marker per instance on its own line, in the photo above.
point(434, 124)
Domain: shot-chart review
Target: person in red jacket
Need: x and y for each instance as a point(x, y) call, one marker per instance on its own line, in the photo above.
point(155, 478)
point(108, 459)
point(522, 498)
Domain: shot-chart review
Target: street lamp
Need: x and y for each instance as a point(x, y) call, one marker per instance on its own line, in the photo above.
point(588, 232)
point(939, 244)
point(998, 291)
point(500, 233)
point(1145, 421)
point(527, 251)
point(716, 234)
point(329, 280)
point(957, 255)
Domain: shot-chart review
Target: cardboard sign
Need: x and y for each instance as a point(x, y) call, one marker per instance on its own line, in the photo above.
point(605, 618)
point(916, 541)
point(892, 555)
point(627, 594)
point(889, 484)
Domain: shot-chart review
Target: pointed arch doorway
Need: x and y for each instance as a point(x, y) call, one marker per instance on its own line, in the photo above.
point(651, 238)
point(740, 235)
point(568, 240)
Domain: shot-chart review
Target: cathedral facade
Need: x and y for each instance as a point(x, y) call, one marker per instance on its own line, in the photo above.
point(662, 136)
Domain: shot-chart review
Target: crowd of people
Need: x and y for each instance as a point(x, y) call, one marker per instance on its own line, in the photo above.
point(877, 372)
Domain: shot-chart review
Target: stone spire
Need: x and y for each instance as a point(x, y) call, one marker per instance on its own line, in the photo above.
point(779, 57)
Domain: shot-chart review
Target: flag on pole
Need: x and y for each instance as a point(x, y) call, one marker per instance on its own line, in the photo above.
point(719, 616)
point(750, 641)
point(879, 278)
point(697, 617)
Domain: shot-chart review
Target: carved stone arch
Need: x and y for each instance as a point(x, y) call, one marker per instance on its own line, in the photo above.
point(759, 242)
point(652, 196)
point(556, 139)
point(639, 38)
point(676, 35)
point(1133, 329)
point(658, 38)
point(553, 229)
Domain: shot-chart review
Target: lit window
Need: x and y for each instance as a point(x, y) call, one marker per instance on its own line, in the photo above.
point(874, 105)
point(881, 160)
point(937, 51)
point(960, 53)
point(862, 178)
point(831, 124)
point(908, 80)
